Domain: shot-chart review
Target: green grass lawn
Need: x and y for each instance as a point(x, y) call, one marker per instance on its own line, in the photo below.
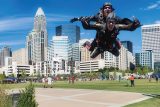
point(141, 86)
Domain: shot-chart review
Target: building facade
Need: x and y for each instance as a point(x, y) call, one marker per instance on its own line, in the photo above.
point(19, 56)
point(12, 68)
point(76, 52)
point(128, 45)
point(151, 39)
point(37, 40)
point(145, 58)
point(72, 31)
point(4, 52)
point(60, 47)
point(92, 65)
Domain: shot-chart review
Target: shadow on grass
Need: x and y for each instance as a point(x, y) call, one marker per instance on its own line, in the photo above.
point(153, 95)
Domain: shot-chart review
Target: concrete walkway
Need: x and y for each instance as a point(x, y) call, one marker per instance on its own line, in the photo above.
point(52, 97)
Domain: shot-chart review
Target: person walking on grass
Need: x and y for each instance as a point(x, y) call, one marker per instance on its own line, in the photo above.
point(156, 78)
point(132, 80)
point(45, 80)
point(49, 81)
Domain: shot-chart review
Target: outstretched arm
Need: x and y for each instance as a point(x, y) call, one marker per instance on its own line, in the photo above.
point(129, 25)
point(91, 18)
point(88, 22)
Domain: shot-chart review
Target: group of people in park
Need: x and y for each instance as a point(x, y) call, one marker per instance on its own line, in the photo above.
point(47, 82)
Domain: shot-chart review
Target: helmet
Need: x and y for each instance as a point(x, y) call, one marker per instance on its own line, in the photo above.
point(108, 4)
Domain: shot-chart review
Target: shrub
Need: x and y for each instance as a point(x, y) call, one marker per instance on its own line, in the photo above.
point(27, 97)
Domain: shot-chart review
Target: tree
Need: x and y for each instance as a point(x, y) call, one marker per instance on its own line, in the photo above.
point(23, 75)
point(139, 70)
point(111, 69)
point(12, 75)
point(2, 76)
point(145, 70)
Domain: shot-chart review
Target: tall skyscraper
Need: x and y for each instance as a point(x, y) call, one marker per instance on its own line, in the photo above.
point(151, 39)
point(72, 31)
point(128, 45)
point(37, 40)
point(4, 53)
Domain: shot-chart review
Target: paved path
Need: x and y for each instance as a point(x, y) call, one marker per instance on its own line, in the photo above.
point(52, 97)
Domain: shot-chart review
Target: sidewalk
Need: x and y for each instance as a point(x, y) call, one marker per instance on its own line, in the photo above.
point(49, 97)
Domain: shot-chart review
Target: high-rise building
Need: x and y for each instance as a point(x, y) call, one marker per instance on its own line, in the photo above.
point(76, 52)
point(145, 58)
point(19, 56)
point(4, 52)
point(151, 39)
point(128, 45)
point(37, 39)
point(72, 31)
point(60, 47)
point(110, 60)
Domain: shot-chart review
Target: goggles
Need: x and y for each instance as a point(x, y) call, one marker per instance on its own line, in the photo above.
point(107, 9)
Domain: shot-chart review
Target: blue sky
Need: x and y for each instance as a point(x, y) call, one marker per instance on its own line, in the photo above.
point(17, 16)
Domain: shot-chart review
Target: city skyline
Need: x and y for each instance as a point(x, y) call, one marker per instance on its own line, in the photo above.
point(17, 17)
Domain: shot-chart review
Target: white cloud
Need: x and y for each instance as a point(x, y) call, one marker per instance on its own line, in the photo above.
point(23, 23)
point(16, 24)
point(153, 6)
point(11, 43)
point(56, 17)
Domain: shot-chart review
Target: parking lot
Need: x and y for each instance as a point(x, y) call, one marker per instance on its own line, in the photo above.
point(51, 97)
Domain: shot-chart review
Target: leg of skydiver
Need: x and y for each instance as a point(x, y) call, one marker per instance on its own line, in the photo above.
point(98, 49)
point(90, 46)
point(95, 50)
point(118, 44)
point(87, 45)
point(112, 48)
point(115, 48)
point(93, 45)
point(115, 51)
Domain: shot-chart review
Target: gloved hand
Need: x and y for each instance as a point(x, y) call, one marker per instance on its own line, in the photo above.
point(136, 23)
point(74, 19)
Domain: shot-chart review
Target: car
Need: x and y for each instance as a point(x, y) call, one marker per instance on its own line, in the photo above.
point(9, 80)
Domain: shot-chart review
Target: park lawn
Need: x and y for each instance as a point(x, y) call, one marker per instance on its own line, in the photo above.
point(153, 102)
point(141, 86)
